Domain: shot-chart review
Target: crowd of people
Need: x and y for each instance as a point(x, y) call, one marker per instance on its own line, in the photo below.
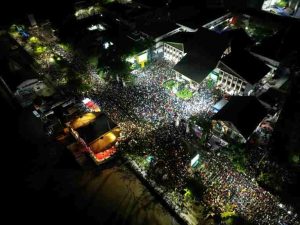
point(227, 186)
point(146, 111)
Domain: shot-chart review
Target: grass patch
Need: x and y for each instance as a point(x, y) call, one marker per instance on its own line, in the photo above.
point(170, 84)
point(184, 94)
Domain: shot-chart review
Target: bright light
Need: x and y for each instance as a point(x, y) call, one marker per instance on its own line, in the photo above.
point(106, 45)
point(143, 57)
point(93, 27)
point(130, 59)
point(99, 27)
point(86, 100)
point(195, 160)
point(36, 113)
point(214, 76)
point(33, 40)
point(149, 158)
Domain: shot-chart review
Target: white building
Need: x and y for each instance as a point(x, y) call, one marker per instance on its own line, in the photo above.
point(196, 54)
point(240, 72)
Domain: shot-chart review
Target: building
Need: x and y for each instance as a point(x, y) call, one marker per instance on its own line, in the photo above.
point(239, 39)
point(239, 118)
point(276, 48)
point(95, 134)
point(157, 30)
point(240, 72)
point(282, 8)
point(219, 105)
point(273, 98)
point(201, 53)
point(173, 48)
point(219, 21)
point(135, 47)
point(28, 90)
point(168, 41)
point(99, 138)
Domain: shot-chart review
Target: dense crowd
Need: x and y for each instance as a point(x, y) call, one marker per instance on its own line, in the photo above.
point(226, 186)
point(146, 108)
point(147, 112)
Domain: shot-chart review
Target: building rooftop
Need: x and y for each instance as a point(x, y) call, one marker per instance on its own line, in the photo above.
point(180, 37)
point(246, 66)
point(272, 97)
point(266, 47)
point(96, 129)
point(126, 45)
point(239, 39)
point(280, 45)
point(244, 112)
point(157, 28)
point(204, 50)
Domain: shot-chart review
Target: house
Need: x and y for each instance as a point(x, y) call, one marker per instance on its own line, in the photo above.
point(173, 48)
point(275, 49)
point(240, 72)
point(157, 30)
point(98, 138)
point(272, 98)
point(239, 39)
point(201, 53)
point(239, 117)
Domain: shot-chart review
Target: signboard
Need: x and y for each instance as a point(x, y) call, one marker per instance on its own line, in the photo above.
point(143, 57)
point(195, 160)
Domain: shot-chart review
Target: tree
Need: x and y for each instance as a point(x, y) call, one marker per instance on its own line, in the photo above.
point(149, 44)
point(206, 126)
point(238, 156)
point(114, 65)
point(270, 180)
point(228, 214)
point(77, 82)
point(120, 68)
